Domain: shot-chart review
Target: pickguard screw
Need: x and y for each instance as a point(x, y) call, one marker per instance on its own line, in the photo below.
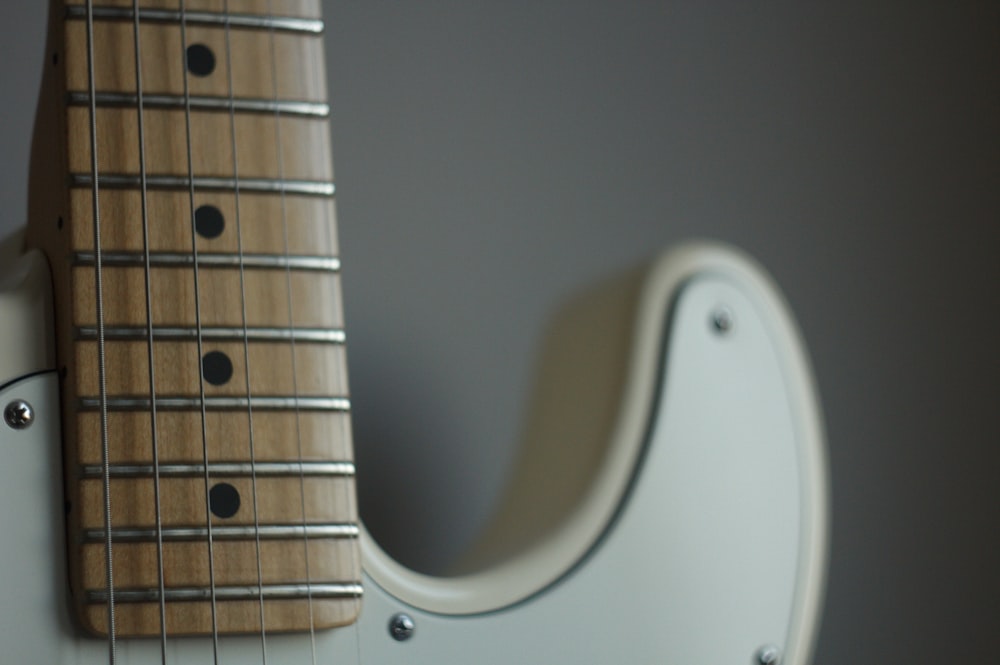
point(722, 320)
point(401, 627)
point(19, 414)
point(767, 655)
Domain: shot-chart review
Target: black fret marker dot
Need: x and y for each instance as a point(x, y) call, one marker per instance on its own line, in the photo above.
point(216, 368)
point(200, 60)
point(224, 500)
point(209, 222)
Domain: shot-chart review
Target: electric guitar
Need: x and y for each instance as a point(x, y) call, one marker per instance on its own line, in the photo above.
point(178, 484)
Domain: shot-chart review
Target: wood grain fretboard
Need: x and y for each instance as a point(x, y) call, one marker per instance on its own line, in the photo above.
point(230, 474)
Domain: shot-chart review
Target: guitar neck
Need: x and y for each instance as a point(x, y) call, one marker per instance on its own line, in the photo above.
point(184, 199)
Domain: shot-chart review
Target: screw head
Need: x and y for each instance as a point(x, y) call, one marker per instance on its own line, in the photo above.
point(401, 627)
point(19, 414)
point(722, 320)
point(767, 655)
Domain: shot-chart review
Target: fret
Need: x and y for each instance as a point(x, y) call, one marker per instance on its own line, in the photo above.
point(315, 298)
point(278, 591)
point(261, 403)
point(299, 63)
point(265, 221)
point(137, 333)
point(235, 20)
point(296, 8)
point(200, 103)
point(221, 470)
point(279, 501)
point(222, 532)
point(272, 185)
point(323, 435)
point(166, 131)
point(211, 260)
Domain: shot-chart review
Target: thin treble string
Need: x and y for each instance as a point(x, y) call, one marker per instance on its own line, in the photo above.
point(291, 336)
point(319, 83)
point(197, 318)
point(246, 342)
point(149, 335)
point(101, 369)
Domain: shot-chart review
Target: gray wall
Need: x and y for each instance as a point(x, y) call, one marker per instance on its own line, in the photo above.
point(494, 157)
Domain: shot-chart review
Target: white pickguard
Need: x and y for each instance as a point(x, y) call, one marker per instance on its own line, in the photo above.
point(717, 550)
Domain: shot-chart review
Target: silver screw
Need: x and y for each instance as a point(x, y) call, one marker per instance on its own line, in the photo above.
point(19, 414)
point(768, 655)
point(722, 320)
point(401, 627)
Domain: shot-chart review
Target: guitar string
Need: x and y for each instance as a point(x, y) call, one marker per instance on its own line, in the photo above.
point(291, 326)
point(330, 227)
point(101, 367)
point(197, 315)
point(149, 331)
point(246, 342)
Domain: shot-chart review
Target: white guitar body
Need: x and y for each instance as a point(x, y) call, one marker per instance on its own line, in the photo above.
point(699, 536)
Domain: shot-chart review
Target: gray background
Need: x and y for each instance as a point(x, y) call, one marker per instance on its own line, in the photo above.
point(495, 157)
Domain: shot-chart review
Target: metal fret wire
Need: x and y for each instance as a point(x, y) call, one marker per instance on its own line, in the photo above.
point(149, 336)
point(233, 533)
point(238, 592)
point(220, 403)
point(99, 293)
point(252, 21)
point(207, 183)
point(246, 344)
point(221, 469)
point(212, 260)
point(291, 325)
point(201, 353)
point(254, 334)
point(201, 103)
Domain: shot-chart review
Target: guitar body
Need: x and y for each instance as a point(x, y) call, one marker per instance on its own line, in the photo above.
point(693, 532)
